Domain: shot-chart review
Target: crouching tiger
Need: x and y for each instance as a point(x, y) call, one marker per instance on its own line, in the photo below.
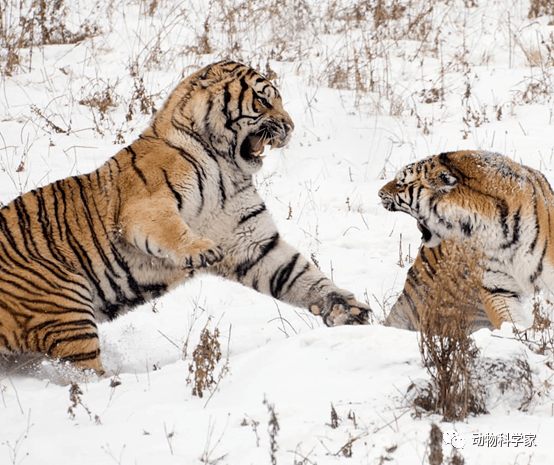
point(502, 209)
point(178, 200)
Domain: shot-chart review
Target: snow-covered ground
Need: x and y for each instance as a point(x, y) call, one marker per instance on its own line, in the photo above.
point(370, 86)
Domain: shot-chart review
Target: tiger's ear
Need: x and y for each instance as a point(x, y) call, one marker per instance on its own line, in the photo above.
point(216, 72)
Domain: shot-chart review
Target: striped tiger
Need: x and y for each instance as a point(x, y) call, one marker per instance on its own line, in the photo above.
point(178, 200)
point(501, 208)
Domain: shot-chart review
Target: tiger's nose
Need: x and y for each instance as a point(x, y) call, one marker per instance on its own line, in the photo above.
point(386, 200)
point(287, 123)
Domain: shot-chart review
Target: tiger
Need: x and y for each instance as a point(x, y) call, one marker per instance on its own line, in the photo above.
point(503, 209)
point(178, 201)
point(441, 280)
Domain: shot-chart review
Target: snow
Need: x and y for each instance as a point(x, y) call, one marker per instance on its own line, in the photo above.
point(322, 191)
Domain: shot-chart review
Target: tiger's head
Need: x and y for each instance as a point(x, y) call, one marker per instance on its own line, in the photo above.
point(231, 109)
point(460, 194)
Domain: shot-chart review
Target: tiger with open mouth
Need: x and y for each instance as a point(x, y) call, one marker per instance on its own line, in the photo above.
point(177, 201)
point(502, 209)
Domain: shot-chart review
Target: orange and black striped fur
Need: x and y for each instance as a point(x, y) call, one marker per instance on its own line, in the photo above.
point(180, 199)
point(502, 209)
point(441, 282)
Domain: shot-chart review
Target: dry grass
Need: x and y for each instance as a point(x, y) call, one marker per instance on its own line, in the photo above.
point(447, 350)
point(272, 429)
point(540, 8)
point(540, 336)
point(27, 24)
point(435, 445)
point(205, 357)
point(349, 45)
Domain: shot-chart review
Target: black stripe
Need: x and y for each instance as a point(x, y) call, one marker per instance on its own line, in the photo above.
point(444, 158)
point(281, 276)
point(304, 271)
point(200, 174)
point(538, 270)
point(244, 87)
point(207, 115)
point(503, 211)
point(429, 268)
point(188, 131)
point(242, 188)
point(319, 281)
point(222, 190)
point(416, 285)
point(257, 211)
point(403, 314)
point(176, 194)
point(79, 337)
point(540, 183)
point(81, 357)
point(134, 164)
point(537, 224)
point(515, 230)
point(57, 214)
point(243, 268)
point(4, 343)
point(147, 247)
point(226, 101)
point(500, 291)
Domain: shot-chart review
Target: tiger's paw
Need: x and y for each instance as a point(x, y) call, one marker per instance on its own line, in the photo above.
point(203, 253)
point(340, 311)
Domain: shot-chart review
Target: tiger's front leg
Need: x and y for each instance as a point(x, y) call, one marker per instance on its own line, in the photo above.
point(157, 229)
point(269, 265)
point(501, 296)
point(500, 306)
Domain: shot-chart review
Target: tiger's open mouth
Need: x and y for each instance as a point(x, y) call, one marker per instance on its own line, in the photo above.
point(387, 202)
point(253, 147)
point(426, 235)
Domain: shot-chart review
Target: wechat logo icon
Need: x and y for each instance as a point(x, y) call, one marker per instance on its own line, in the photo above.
point(451, 437)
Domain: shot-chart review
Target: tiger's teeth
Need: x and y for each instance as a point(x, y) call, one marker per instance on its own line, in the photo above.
point(257, 153)
point(275, 143)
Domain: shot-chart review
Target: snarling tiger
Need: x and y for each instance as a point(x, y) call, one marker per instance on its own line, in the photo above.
point(504, 210)
point(179, 200)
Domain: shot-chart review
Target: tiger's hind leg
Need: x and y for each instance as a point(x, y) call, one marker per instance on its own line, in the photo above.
point(75, 342)
point(63, 330)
